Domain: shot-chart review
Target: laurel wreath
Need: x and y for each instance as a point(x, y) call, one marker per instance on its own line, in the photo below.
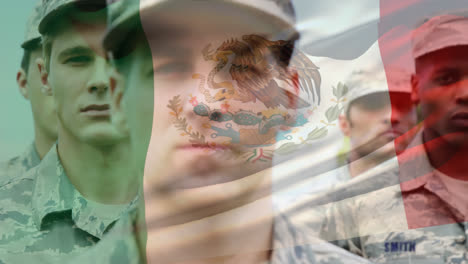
point(331, 115)
point(181, 122)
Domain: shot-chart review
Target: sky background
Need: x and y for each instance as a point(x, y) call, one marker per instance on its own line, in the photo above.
point(16, 129)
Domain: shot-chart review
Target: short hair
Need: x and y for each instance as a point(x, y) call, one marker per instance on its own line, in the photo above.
point(47, 41)
point(28, 49)
point(121, 55)
point(65, 19)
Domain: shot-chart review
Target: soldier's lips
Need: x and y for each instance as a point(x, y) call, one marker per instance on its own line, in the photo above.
point(96, 110)
point(203, 158)
point(203, 147)
point(212, 175)
point(460, 119)
point(392, 134)
point(199, 165)
point(225, 150)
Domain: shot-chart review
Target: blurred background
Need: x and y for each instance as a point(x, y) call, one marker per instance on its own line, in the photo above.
point(16, 128)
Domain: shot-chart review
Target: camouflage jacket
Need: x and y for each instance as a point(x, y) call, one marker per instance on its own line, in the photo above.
point(118, 246)
point(19, 164)
point(289, 247)
point(43, 217)
point(412, 220)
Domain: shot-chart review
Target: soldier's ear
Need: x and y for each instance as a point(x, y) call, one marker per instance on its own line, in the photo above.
point(117, 89)
point(345, 125)
point(414, 89)
point(46, 89)
point(21, 80)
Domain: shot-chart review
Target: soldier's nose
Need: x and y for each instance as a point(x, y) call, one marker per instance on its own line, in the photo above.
point(98, 89)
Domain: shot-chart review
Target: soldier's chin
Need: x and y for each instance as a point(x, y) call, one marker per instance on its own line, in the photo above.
point(385, 152)
point(199, 173)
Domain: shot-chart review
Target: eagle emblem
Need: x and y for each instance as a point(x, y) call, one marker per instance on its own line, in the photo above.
point(256, 65)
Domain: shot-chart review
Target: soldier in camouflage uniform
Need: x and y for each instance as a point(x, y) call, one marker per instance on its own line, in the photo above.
point(29, 83)
point(154, 44)
point(84, 184)
point(377, 130)
point(371, 122)
point(416, 212)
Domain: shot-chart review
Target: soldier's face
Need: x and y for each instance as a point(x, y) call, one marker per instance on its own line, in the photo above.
point(210, 124)
point(441, 87)
point(79, 80)
point(373, 130)
point(42, 105)
point(206, 136)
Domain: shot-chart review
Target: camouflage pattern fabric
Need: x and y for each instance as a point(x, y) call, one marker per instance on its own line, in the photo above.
point(416, 221)
point(19, 164)
point(50, 9)
point(42, 215)
point(119, 246)
point(289, 247)
point(32, 34)
point(122, 15)
point(54, 8)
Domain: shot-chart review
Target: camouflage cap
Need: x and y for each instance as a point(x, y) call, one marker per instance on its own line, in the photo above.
point(55, 8)
point(122, 13)
point(364, 83)
point(440, 32)
point(32, 35)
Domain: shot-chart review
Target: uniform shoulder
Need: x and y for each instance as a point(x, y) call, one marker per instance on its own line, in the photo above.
point(19, 165)
point(7, 166)
point(293, 245)
point(12, 177)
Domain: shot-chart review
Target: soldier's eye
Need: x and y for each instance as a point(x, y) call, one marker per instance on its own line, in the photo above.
point(447, 78)
point(78, 60)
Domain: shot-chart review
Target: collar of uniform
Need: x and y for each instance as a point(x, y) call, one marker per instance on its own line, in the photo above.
point(415, 168)
point(95, 218)
point(53, 192)
point(30, 157)
point(120, 244)
point(416, 172)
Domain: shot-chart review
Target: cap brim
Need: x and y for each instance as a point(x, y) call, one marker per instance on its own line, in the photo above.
point(31, 43)
point(45, 21)
point(117, 34)
point(77, 5)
